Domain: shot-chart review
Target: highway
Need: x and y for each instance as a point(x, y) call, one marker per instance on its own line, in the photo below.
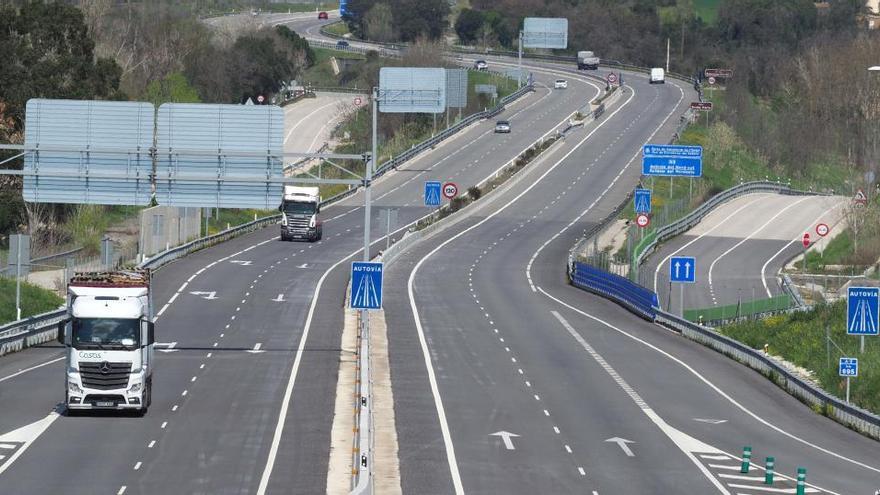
point(508, 347)
point(243, 401)
point(309, 123)
point(740, 247)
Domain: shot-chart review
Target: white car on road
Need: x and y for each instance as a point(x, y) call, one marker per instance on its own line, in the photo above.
point(560, 84)
point(502, 126)
point(481, 65)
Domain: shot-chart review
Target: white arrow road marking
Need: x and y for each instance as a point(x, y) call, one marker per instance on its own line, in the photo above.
point(241, 262)
point(506, 437)
point(622, 443)
point(711, 421)
point(280, 298)
point(169, 346)
point(25, 436)
point(256, 349)
point(205, 295)
point(304, 265)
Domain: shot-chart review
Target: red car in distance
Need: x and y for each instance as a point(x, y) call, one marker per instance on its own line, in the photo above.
point(323, 16)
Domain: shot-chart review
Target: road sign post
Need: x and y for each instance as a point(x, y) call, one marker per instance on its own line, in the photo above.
point(366, 285)
point(682, 270)
point(861, 312)
point(849, 368)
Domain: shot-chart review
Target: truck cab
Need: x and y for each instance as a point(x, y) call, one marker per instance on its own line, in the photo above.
point(587, 60)
point(299, 209)
point(658, 76)
point(108, 338)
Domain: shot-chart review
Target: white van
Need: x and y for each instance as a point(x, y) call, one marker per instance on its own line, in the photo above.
point(657, 76)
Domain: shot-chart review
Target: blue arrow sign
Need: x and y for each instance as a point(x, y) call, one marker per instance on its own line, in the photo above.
point(848, 367)
point(366, 285)
point(861, 310)
point(683, 269)
point(672, 160)
point(432, 193)
point(642, 200)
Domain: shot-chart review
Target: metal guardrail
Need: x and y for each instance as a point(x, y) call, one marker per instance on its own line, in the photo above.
point(364, 447)
point(11, 268)
point(848, 415)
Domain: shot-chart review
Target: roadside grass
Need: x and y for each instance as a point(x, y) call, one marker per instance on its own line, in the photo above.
point(800, 338)
point(338, 28)
point(232, 218)
point(837, 252)
point(321, 73)
point(88, 224)
point(34, 300)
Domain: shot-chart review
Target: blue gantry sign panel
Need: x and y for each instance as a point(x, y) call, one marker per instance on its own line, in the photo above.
point(848, 367)
point(682, 269)
point(861, 315)
point(366, 285)
point(219, 155)
point(432, 193)
point(672, 160)
point(73, 137)
point(642, 200)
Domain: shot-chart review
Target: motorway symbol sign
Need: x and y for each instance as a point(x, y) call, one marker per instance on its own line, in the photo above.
point(861, 310)
point(642, 200)
point(366, 285)
point(682, 269)
point(822, 229)
point(612, 78)
point(358, 101)
point(703, 106)
point(672, 160)
point(432, 192)
point(848, 367)
point(643, 220)
point(622, 443)
point(506, 438)
point(711, 80)
point(450, 190)
point(806, 240)
point(860, 198)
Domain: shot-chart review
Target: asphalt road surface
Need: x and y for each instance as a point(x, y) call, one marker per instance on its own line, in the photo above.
point(740, 247)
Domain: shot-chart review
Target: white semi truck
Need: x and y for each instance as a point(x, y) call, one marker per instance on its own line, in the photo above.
point(587, 61)
point(299, 209)
point(108, 338)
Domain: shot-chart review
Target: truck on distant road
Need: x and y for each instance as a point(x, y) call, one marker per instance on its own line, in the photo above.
point(108, 339)
point(299, 209)
point(658, 76)
point(587, 61)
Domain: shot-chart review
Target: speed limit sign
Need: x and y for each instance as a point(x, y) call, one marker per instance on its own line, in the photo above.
point(358, 101)
point(822, 229)
point(711, 80)
point(261, 99)
point(612, 78)
point(643, 220)
point(450, 190)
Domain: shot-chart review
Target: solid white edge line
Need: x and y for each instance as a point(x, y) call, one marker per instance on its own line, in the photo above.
point(711, 385)
point(432, 379)
point(783, 248)
point(751, 235)
point(21, 372)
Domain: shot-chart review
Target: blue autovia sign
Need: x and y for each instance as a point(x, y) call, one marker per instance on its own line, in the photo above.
point(672, 160)
point(343, 7)
point(682, 269)
point(432, 193)
point(642, 200)
point(861, 315)
point(848, 367)
point(366, 285)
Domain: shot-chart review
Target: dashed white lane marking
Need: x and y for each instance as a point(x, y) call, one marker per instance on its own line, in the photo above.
point(137, 465)
point(556, 430)
point(150, 446)
point(584, 473)
point(193, 379)
point(567, 448)
point(174, 408)
point(121, 490)
point(164, 424)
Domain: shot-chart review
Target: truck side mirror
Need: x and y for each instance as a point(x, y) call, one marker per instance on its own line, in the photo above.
point(280, 207)
point(151, 332)
point(60, 336)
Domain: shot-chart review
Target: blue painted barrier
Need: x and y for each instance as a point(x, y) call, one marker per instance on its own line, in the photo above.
point(632, 296)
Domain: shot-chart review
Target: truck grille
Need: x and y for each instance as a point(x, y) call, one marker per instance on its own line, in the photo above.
point(105, 375)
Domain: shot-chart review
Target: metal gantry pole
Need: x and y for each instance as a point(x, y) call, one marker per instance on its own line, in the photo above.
point(368, 177)
point(519, 61)
point(18, 279)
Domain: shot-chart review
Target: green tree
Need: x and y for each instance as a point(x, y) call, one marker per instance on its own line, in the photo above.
point(468, 25)
point(379, 23)
point(173, 88)
point(297, 43)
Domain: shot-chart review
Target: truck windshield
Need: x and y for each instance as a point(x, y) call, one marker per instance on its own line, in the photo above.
point(105, 333)
point(298, 208)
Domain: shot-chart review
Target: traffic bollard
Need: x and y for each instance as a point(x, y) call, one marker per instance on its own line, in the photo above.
point(801, 481)
point(768, 474)
point(746, 460)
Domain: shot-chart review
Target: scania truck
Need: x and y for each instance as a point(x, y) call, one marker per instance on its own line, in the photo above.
point(299, 209)
point(108, 337)
point(587, 61)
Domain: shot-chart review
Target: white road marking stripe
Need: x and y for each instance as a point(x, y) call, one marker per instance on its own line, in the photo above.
point(715, 457)
point(768, 489)
point(741, 477)
point(150, 446)
point(121, 490)
point(20, 372)
point(137, 465)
